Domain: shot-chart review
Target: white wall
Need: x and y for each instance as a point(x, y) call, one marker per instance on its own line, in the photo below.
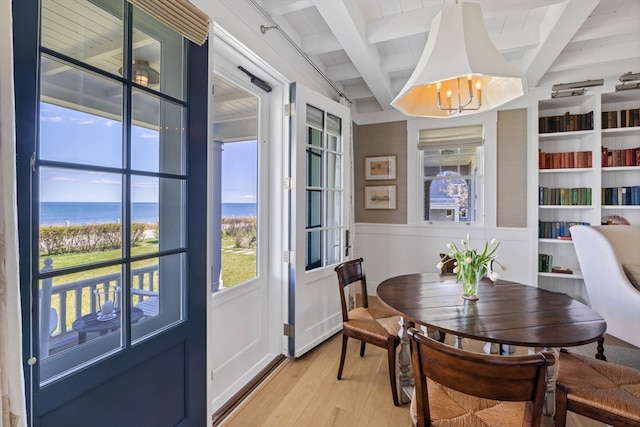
point(392, 250)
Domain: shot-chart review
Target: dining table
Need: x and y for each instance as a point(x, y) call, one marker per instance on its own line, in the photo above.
point(505, 314)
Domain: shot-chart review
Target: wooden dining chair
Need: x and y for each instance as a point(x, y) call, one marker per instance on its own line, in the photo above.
point(374, 325)
point(455, 387)
point(603, 391)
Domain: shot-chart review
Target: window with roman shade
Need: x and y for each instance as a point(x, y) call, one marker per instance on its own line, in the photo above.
point(452, 165)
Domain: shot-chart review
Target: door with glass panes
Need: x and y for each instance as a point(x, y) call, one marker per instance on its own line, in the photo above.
point(320, 144)
point(118, 158)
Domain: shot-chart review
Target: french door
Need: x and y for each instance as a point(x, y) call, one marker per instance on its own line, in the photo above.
point(111, 213)
point(321, 215)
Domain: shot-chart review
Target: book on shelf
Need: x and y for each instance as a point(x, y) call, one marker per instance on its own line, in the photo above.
point(557, 229)
point(566, 123)
point(630, 117)
point(545, 263)
point(564, 160)
point(579, 196)
point(561, 270)
point(609, 119)
point(620, 157)
point(621, 196)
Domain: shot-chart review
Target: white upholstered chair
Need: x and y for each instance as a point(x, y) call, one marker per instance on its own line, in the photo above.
point(602, 252)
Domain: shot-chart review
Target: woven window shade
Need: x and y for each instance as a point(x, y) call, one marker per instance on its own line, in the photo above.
point(179, 15)
point(461, 136)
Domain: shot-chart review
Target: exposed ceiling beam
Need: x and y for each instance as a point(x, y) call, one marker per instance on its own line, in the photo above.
point(346, 22)
point(572, 59)
point(561, 23)
point(316, 44)
point(401, 25)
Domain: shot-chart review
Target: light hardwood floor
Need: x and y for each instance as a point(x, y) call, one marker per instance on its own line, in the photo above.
point(304, 392)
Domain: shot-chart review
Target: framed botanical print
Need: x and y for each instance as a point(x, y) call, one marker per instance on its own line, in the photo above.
point(380, 197)
point(380, 167)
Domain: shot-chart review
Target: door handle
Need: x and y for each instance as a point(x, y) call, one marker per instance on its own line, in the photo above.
point(347, 244)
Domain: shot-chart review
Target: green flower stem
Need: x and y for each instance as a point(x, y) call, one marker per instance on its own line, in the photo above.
point(470, 277)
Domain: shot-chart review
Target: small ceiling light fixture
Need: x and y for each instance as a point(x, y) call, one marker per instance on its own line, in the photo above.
point(562, 90)
point(629, 81)
point(460, 71)
point(143, 74)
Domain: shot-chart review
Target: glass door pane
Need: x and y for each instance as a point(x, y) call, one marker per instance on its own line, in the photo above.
point(236, 113)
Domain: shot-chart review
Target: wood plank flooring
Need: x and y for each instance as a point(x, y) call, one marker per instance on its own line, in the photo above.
point(304, 392)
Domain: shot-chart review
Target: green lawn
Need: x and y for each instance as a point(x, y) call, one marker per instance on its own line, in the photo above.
point(238, 264)
point(77, 259)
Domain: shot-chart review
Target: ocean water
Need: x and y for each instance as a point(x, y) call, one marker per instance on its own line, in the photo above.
point(59, 213)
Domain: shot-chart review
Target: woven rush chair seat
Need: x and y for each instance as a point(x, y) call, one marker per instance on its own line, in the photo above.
point(372, 324)
point(596, 389)
point(369, 324)
point(459, 388)
point(450, 408)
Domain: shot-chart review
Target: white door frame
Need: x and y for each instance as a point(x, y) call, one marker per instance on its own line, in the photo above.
point(249, 345)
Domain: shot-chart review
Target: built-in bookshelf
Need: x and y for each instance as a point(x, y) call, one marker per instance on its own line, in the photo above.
point(588, 173)
point(620, 157)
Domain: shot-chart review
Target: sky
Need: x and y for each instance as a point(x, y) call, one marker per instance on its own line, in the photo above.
point(76, 137)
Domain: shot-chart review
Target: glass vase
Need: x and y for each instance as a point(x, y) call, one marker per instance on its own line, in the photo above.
point(470, 281)
point(107, 301)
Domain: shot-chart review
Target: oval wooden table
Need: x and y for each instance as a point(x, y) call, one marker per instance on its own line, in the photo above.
point(505, 313)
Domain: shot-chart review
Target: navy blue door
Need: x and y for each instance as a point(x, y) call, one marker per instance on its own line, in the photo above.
point(111, 134)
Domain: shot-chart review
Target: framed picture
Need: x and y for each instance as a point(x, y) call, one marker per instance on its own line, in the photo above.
point(380, 167)
point(380, 197)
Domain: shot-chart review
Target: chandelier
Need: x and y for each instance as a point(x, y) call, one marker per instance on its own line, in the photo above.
point(460, 70)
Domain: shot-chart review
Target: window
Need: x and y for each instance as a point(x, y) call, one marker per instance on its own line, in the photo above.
point(452, 160)
point(110, 170)
point(324, 224)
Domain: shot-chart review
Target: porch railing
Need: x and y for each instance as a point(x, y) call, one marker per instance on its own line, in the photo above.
point(72, 300)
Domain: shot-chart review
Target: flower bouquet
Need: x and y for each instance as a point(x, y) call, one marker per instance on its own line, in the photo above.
point(471, 265)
